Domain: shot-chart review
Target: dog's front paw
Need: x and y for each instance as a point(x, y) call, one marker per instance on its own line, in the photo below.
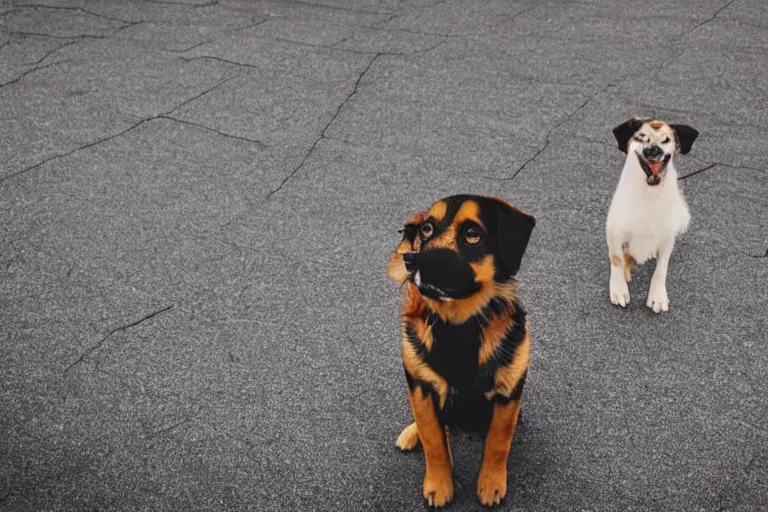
point(492, 486)
point(408, 438)
point(619, 292)
point(657, 298)
point(438, 488)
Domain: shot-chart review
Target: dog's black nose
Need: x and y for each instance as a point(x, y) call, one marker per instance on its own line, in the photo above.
point(409, 258)
point(653, 152)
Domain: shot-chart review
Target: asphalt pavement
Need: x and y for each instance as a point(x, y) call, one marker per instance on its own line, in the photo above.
point(198, 199)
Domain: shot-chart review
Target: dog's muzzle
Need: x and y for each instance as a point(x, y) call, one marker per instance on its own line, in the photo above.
point(440, 274)
point(653, 161)
point(409, 258)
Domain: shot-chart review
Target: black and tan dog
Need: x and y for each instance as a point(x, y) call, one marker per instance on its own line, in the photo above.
point(465, 343)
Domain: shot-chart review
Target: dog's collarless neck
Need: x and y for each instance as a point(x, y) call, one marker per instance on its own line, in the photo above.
point(461, 311)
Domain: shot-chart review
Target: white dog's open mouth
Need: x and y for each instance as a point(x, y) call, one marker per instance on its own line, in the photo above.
point(654, 169)
point(655, 166)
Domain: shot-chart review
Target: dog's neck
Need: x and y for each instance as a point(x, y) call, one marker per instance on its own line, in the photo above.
point(460, 310)
point(633, 175)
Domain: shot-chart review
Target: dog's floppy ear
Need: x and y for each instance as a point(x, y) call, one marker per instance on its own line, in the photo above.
point(685, 136)
point(625, 131)
point(513, 230)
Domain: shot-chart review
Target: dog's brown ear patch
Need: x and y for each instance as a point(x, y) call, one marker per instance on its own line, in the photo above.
point(685, 136)
point(513, 230)
point(625, 131)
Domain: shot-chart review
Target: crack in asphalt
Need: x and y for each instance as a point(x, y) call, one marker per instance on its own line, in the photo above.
point(547, 141)
point(38, 68)
point(334, 47)
point(86, 146)
point(168, 2)
point(72, 39)
point(254, 24)
point(169, 428)
point(748, 469)
point(41, 59)
point(337, 8)
point(42, 34)
point(129, 25)
point(105, 139)
point(185, 102)
point(312, 45)
point(65, 8)
point(92, 349)
point(249, 444)
point(524, 11)
point(211, 57)
point(606, 88)
point(327, 125)
point(706, 21)
point(417, 32)
point(254, 141)
point(187, 49)
point(415, 52)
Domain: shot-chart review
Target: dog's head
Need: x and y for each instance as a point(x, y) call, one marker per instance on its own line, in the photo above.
point(461, 248)
point(654, 143)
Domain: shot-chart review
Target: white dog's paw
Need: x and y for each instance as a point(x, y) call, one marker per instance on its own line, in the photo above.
point(657, 298)
point(619, 292)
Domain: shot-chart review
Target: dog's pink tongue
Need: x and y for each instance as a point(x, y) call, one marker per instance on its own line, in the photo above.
point(655, 167)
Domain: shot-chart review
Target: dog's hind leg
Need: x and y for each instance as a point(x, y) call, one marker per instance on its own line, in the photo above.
point(618, 285)
point(629, 263)
point(657, 293)
point(408, 438)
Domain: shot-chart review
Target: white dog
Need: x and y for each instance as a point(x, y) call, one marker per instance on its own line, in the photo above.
point(647, 211)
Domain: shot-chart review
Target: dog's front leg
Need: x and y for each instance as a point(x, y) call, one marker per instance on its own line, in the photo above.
point(438, 480)
point(657, 293)
point(492, 482)
point(618, 285)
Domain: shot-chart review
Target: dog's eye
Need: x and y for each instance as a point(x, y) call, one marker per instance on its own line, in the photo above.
point(665, 141)
point(473, 235)
point(427, 230)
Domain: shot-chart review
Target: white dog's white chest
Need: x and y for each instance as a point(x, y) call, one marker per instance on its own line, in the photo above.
point(643, 218)
point(642, 247)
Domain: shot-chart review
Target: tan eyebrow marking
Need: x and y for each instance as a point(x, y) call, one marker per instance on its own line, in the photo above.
point(469, 210)
point(438, 211)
